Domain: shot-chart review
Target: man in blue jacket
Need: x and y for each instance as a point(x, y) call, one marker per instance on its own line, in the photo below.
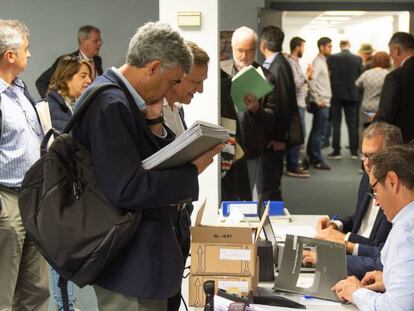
point(365, 232)
point(149, 270)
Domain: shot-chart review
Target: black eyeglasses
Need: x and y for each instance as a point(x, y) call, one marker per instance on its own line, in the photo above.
point(366, 156)
point(372, 192)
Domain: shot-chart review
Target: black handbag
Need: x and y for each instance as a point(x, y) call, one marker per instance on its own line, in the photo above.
point(64, 211)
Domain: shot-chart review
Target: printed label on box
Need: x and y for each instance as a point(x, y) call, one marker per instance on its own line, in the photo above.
point(235, 254)
point(243, 208)
point(243, 286)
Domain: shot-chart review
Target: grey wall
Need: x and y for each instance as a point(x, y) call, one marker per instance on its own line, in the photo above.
point(54, 23)
point(236, 13)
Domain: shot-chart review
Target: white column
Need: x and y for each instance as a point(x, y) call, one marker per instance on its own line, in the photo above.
point(204, 106)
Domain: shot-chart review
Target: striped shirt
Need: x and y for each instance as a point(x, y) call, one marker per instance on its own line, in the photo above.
point(21, 134)
point(300, 80)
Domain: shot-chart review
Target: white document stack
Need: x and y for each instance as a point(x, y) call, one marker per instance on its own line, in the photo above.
point(196, 140)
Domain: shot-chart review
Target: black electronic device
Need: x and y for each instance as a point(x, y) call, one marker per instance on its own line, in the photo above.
point(208, 287)
point(267, 228)
point(277, 301)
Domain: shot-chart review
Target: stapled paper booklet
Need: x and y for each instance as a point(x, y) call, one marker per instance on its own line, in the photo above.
point(249, 80)
point(196, 140)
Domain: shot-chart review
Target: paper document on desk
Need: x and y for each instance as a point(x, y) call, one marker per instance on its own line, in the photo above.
point(306, 231)
point(256, 307)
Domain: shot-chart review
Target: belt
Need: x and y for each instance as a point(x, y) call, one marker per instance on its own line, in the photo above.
point(10, 189)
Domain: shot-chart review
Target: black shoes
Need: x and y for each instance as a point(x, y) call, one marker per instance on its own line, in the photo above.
point(334, 155)
point(321, 166)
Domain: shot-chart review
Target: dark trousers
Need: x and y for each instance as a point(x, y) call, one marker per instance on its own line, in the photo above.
point(351, 118)
point(271, 174)
point(320, 118)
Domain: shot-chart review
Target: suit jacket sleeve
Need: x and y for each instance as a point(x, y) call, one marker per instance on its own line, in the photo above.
point(42, 83)
point(390, 99)
point(281, 118)
point(359, 265)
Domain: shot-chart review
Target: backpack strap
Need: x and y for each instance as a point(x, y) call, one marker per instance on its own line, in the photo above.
point(63, 285)
point(84, 103)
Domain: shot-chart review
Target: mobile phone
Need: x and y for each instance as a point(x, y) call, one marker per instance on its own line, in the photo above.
point(369, 113)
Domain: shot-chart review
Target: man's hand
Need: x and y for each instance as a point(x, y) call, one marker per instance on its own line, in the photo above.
point(324, 223)
point(321, 104)
point(154, 110)
point(345, 288)
point(276, 146)
point(374, 281)
point(207, 158)
point(330, 234)
point(251, 103)
point(309, 257)
point(309, 72)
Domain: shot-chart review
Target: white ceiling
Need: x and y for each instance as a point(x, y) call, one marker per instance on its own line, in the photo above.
point(297, 19)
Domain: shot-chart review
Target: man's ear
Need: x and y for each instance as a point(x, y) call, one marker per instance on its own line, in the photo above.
point(8, 56)
point(393, 180)
point(153, 67)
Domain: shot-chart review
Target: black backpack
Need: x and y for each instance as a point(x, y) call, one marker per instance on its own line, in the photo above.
point(65, 213)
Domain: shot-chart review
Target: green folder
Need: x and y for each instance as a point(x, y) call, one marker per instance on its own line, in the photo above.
point(248, 81)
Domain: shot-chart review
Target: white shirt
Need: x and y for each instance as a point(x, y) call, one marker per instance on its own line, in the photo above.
point(172, 118)
point(320, 85)
point(397, 256)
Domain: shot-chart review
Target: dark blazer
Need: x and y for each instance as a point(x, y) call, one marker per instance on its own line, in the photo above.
point(359, 265)
point(151, 265)
point(42, 83)
point(59, 111)
point(352, 223)
point(345, 68)
point(397, 99)
point(286, 123)
point(253, 125)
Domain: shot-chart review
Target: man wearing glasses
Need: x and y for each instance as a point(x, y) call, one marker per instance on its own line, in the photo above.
point(90, 42)
point(365, 232)
point(23, 271)
point(392, 184)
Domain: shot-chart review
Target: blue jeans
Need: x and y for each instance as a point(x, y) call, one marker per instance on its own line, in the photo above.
point(320, 118)
point(56, 291)
point(292, 153)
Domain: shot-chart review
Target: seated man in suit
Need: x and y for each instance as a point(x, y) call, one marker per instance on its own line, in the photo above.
point(90, 42)
point(365, 232)
point(392, 184)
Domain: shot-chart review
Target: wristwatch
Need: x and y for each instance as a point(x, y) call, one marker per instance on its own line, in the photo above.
point(160, 119)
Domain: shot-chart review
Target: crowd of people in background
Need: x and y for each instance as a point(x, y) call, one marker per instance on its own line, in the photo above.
point(375, 91)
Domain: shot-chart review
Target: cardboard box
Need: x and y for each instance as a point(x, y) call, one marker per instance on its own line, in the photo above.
point(219, 250)
point(196, 293)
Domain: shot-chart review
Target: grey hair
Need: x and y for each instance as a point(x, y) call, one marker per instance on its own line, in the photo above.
point(85, 31)
point(12, 33)
point(243, 33)
point(157, 41)
point(391, 133)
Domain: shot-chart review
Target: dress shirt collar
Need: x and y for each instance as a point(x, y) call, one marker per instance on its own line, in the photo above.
point(404, 213)
point(83, 56)
point(138, 99)
point(405, 59)
point(4, 85)
point(269, 60)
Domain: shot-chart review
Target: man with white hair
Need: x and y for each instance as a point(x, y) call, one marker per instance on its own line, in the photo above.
point(253, 120)
point(23, 271)
point(149, 270)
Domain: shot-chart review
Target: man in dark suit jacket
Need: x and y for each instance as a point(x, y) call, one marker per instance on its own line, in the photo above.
point(90, 42)
point(285, 120)
point(365, 232)
point(345, 68)
point(397, 97)
point(252, 121)
point(149, 270)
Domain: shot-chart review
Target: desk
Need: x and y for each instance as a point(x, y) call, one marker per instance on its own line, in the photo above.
point(298, 221)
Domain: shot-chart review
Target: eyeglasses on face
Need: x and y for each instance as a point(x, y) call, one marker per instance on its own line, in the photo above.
point(366, 156)
point(372, 192)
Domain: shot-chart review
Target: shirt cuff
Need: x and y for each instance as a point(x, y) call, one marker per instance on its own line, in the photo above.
point(164, 133)
point(339, 224)
point(364, 298)
point(355, 250)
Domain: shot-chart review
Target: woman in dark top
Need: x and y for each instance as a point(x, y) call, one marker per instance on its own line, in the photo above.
point(71, 78)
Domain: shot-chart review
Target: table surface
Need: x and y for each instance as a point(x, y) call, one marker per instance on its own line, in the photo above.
point(313, 304)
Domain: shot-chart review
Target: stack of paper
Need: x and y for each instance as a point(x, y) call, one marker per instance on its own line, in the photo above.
point(196, 140)
point(249, 80)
